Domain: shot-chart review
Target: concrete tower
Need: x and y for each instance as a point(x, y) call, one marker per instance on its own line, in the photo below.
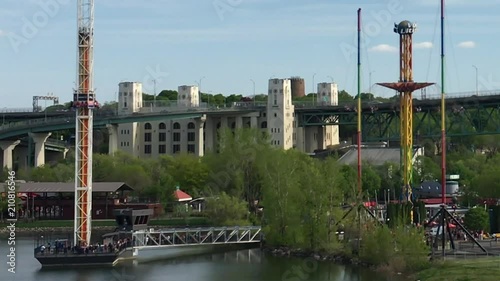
point(129, 97)
point(129, 101)
point(188, 96)
point(298, 87)
point(328, 94)
point(280, 113)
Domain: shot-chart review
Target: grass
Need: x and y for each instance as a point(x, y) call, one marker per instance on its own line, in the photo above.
point(191, 221)
point(478, 269)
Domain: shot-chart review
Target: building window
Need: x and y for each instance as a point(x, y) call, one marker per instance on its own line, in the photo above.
point(191, 136)
point(177, 136)
point(147, 126)
point(147, 137)
point(162, 149)
point(191, 125)
point(147, 149)
point(177, 126)
point(162, 137)
point(176, 148)
point(263, 125)
point(191, 148)
point(162, 126)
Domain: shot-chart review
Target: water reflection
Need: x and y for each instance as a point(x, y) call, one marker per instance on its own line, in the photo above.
point(243, 265)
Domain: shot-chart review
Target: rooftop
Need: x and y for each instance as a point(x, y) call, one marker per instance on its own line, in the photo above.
point(373, 155)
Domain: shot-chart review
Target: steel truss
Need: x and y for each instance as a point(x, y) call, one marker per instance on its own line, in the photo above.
point(196, 236)
point(465, 117)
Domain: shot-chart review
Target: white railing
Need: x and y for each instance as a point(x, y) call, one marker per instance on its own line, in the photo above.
point(196, 236)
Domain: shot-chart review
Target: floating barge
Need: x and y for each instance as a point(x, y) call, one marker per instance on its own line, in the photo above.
point(113, 248)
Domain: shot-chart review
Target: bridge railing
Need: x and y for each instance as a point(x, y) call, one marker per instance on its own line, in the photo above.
point(196, 236)
point(16, 110)
point(462, 95)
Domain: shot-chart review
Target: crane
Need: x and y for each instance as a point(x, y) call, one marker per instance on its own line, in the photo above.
point(84, 102)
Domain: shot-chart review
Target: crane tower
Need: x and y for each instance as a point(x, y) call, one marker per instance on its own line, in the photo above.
point(84, 102)
point(406, 86)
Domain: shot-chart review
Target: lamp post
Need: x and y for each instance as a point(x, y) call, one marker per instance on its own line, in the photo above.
point(313, 90)
point(477, 86)
point(199, 87)
point(154, 92)
point(253, 82)
point(370, 81)
point(331, 78)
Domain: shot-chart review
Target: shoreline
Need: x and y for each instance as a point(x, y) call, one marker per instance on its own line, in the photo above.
point(338, 258)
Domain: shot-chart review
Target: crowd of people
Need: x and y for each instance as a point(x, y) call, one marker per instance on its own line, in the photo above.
point(64, 247)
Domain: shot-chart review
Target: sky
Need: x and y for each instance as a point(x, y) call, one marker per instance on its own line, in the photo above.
point(225, 44)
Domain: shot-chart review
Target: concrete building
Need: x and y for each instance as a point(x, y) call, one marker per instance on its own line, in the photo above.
point(328, 94)
point(150, 139)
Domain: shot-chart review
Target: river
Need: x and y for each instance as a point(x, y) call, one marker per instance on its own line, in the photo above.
point(244, 265)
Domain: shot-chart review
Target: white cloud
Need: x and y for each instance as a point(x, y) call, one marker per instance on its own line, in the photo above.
point(467, 44)
point(423, 45)
point(383, 48)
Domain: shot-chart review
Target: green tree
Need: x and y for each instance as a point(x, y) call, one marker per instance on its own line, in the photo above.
point(476, 219)
point(226, 210)
point(371, 180)
point(281, 177)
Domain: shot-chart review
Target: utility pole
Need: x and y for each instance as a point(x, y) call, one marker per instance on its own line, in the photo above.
point(477, 84)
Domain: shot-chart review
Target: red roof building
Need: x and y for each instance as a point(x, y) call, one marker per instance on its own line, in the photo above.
point(182, 196)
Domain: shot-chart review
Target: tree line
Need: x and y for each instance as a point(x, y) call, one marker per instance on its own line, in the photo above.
point(303, 198)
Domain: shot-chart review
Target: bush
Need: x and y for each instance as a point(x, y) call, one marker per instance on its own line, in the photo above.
point(401, 249)
point(477, 219)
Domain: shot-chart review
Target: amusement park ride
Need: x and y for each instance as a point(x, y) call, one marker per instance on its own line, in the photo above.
point(84, 102)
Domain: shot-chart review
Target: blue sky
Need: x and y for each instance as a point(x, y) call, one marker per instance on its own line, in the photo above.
point(230, 42)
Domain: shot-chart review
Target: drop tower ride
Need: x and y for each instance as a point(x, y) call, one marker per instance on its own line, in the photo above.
point(84, 102)
point(406, 86)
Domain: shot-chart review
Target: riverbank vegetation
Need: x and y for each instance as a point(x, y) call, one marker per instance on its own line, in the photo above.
point(480, 269)
point(303, 199)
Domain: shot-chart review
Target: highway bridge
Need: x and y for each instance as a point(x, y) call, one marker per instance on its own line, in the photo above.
point(467, 114)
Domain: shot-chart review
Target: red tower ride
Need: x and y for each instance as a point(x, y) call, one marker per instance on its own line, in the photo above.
point(84, 102)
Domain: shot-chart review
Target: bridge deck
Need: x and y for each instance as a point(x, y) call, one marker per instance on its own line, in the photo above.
point(196, 236)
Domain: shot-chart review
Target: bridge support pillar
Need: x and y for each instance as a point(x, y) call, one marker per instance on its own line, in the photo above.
point(8, 149)
point(200, 149)
point(39, 139)
point(210, 132)
point(254, 122)
point(113, 138)
point(223, 123)
point(239, 122)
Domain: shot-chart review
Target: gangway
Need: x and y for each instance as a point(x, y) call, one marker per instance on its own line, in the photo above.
point(144, 239)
